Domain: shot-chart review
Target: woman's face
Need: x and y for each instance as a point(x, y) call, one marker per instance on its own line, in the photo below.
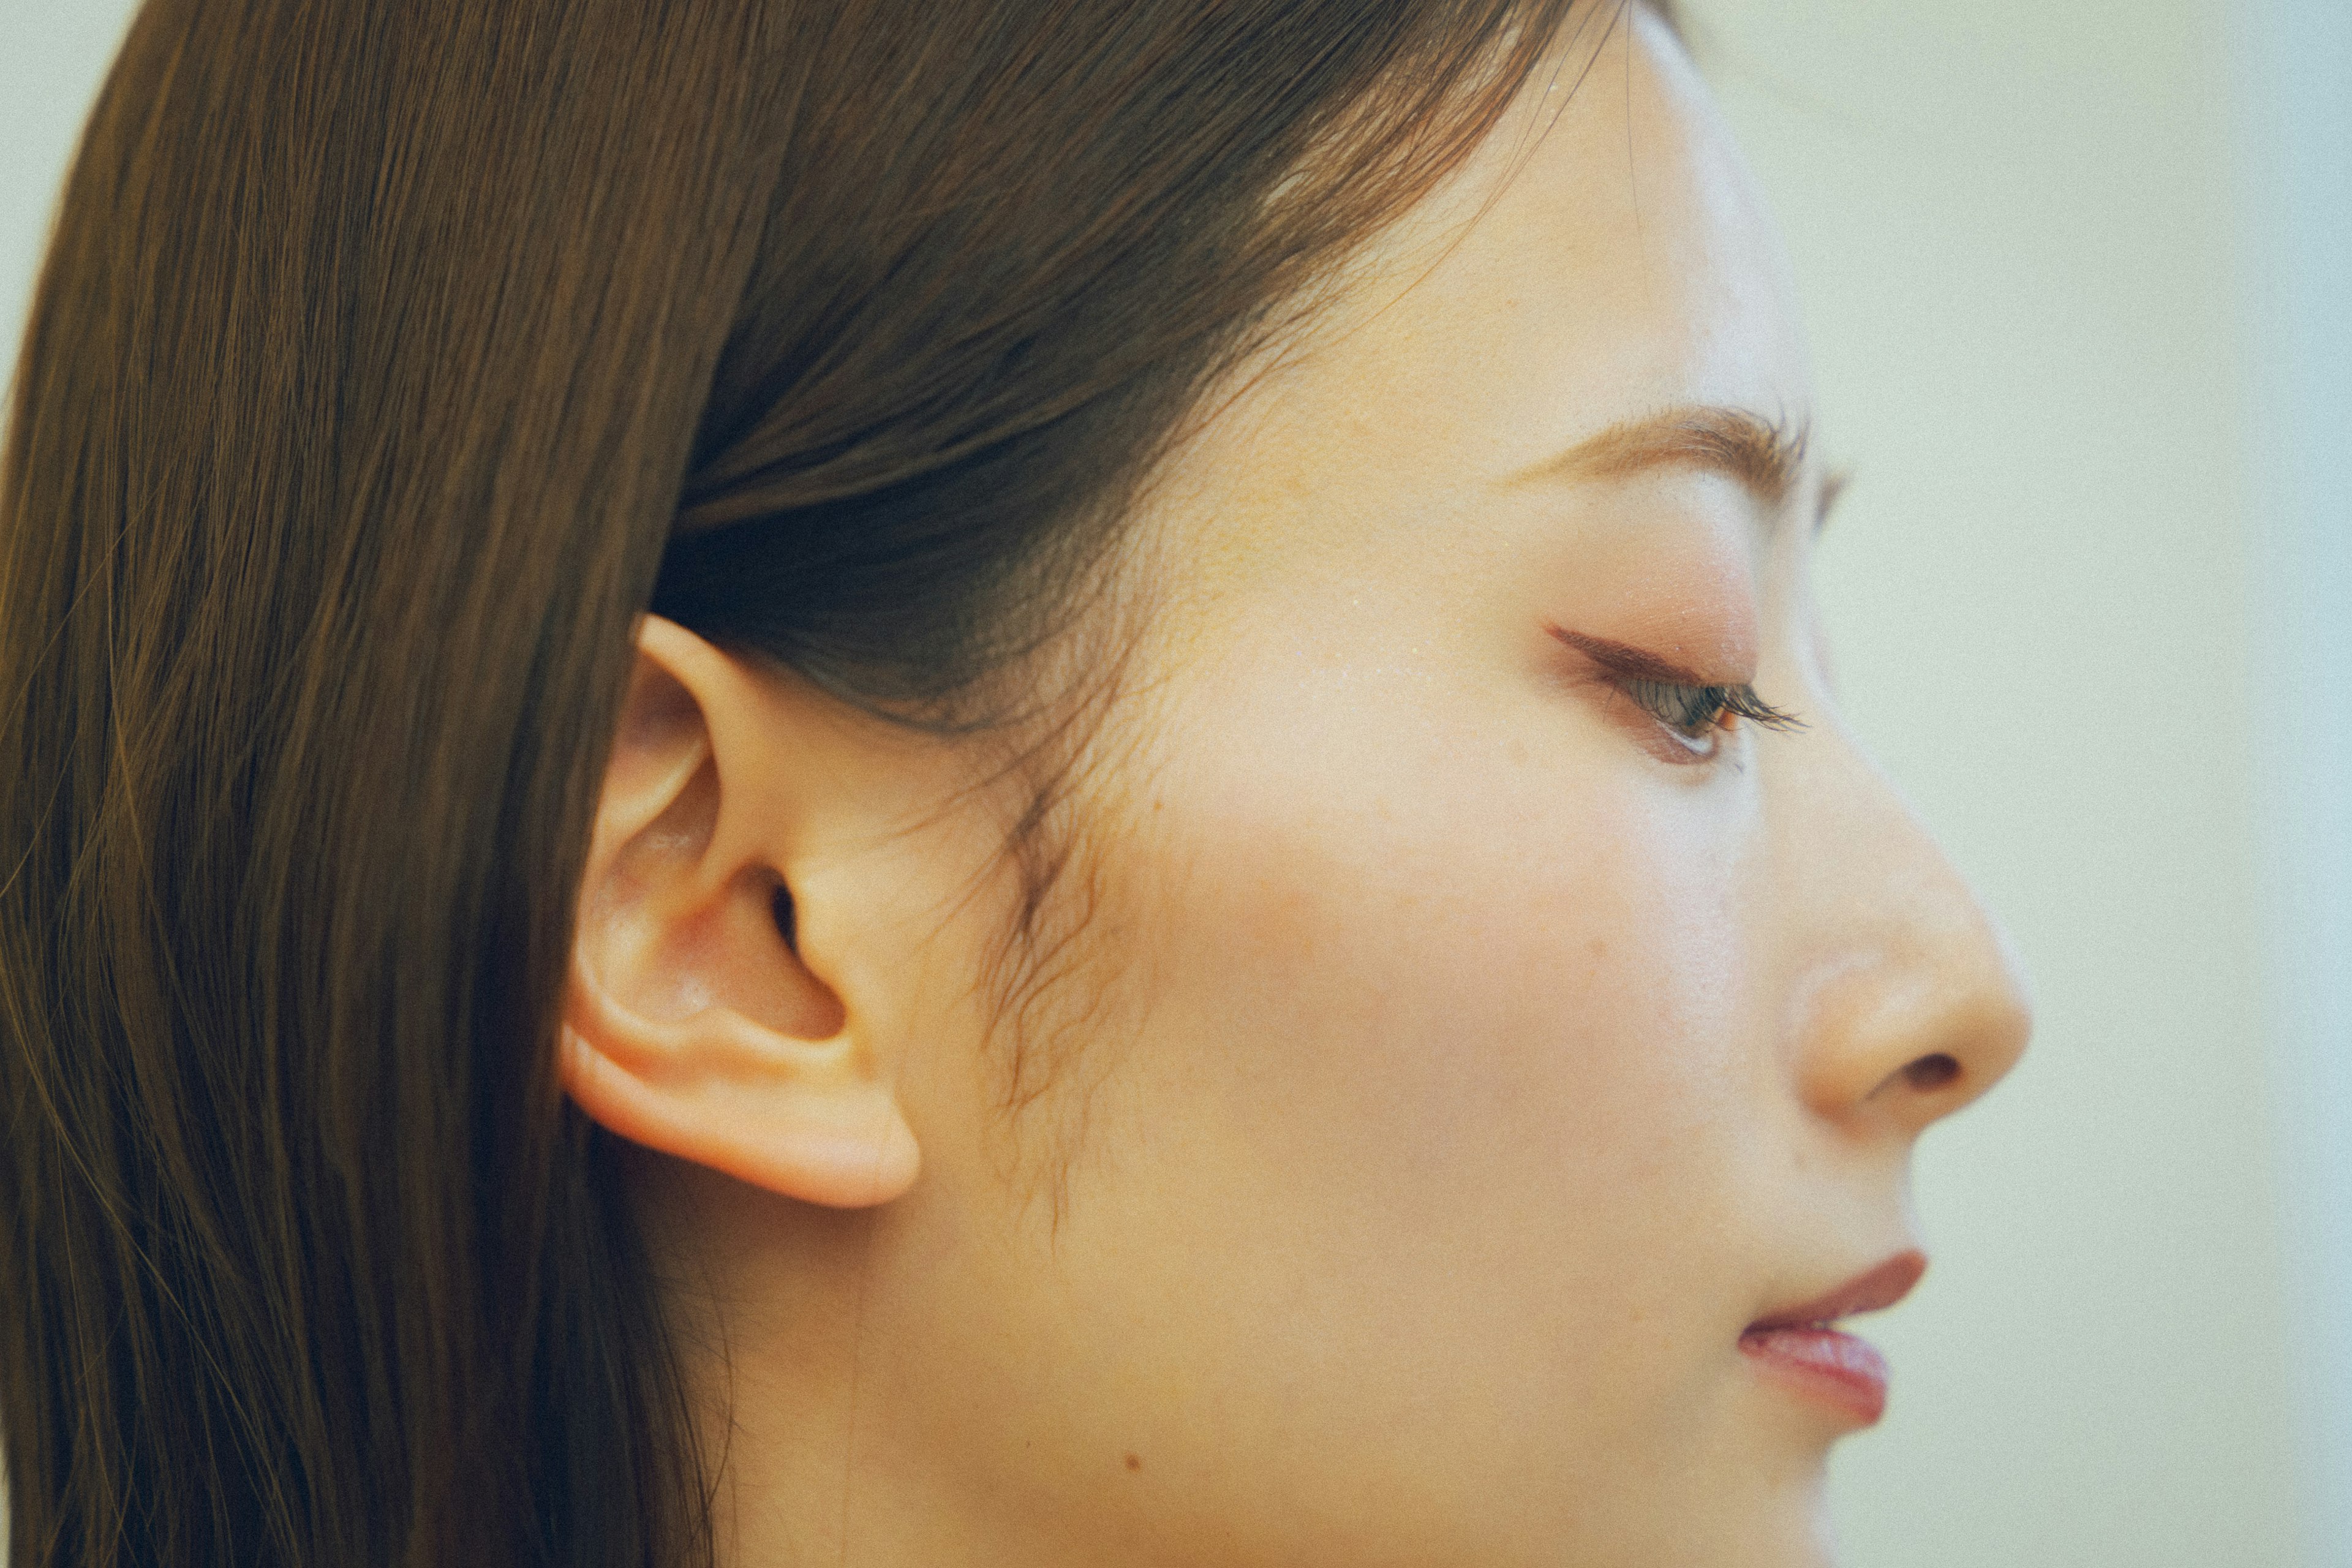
point(1478, 1030)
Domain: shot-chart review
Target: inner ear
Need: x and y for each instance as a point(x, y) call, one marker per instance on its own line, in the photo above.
point(781, 905)
point(808, 1009)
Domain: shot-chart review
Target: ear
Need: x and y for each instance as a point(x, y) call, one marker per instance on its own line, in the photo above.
point(693, 1022)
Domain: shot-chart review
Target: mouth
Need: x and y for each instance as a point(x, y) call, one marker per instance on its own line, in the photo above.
point(1802, 1348)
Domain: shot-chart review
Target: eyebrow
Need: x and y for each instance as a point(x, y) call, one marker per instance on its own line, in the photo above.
point(1766, 456)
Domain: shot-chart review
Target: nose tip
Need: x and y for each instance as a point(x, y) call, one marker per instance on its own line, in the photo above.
point(1980, 1036)
point(1908, 1036)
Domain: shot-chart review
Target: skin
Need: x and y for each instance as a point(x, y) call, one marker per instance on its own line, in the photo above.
point(1456, 1061)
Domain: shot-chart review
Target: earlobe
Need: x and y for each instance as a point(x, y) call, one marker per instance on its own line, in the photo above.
point(802, 1128)
point(692, 1024)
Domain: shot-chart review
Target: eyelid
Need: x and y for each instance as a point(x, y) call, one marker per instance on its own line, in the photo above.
point(1632, 663)
point(1631, 668)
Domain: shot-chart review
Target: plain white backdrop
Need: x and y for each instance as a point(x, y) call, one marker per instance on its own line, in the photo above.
point(2077, 281)
point(2076, 276)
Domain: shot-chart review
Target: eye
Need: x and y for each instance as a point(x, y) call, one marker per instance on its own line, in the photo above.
point(1681, 718)
point(1696, 719)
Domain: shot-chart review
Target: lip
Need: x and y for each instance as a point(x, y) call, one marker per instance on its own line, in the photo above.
point(1801, 1347)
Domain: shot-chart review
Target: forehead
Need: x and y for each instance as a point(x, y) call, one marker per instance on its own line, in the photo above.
point(1603, 255)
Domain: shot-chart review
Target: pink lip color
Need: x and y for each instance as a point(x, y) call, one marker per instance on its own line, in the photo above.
point(1799, 1346)
point(1839, 1369)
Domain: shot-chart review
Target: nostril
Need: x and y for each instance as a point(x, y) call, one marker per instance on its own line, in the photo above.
point(1931, 1072)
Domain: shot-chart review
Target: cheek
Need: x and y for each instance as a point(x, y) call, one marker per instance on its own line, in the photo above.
point(1473, 992)
point(1496, 985)
point(1443, 1084)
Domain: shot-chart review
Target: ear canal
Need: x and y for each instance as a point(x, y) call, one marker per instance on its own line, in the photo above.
point(786, 924)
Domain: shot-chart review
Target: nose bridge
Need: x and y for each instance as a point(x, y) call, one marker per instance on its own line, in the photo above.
point(1906, 1003)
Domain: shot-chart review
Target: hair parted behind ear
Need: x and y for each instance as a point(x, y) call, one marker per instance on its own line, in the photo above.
point(387, 362)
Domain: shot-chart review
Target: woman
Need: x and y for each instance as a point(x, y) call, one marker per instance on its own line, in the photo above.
point(804, 781)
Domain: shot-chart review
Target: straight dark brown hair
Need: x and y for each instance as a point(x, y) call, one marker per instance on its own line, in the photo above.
point(387, 362)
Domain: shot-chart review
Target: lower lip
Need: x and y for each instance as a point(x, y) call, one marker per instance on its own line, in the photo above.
point(1841, 1370)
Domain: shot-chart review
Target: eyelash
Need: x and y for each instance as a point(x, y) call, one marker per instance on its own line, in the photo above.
point(1698, 716)
point(1686, 720)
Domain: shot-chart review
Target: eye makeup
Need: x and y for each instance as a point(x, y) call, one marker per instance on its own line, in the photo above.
point(1689, 714)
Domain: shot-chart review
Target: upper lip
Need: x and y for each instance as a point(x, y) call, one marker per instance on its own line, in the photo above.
point(1870, 1292)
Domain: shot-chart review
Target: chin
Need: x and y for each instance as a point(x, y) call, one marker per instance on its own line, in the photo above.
point(1786, 1527)
point(1799, 1535)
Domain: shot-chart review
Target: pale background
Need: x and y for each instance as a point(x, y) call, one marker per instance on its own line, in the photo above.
point(2079, 277)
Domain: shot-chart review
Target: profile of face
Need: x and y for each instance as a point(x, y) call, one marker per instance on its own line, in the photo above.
point(1494, 1002)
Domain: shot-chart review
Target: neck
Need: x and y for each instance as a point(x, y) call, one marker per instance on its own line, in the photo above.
point(823, 1439)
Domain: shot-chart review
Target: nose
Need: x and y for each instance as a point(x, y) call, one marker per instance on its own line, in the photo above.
point(1908, 1004)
